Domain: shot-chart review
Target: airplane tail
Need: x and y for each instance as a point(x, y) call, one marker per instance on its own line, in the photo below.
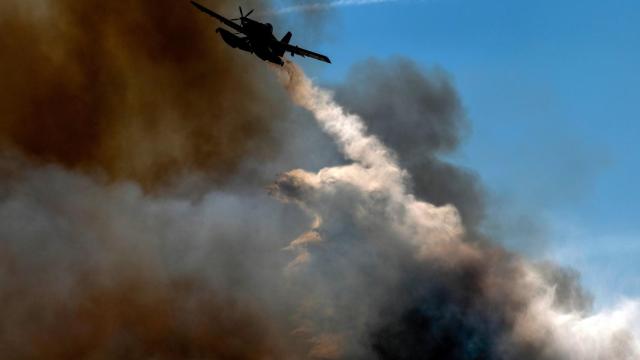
point(285, 40)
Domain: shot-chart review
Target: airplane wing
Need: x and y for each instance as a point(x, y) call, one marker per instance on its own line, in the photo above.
point(223, 19)
point(304, 52)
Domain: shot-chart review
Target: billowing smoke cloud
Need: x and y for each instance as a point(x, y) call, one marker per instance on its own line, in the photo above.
point(141, 90)
point(93, 270)
point(371, 251)
point(418, 116)
point(423, 291)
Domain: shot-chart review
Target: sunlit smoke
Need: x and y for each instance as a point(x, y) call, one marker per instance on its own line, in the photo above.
point(374, 170)
point(368, 199)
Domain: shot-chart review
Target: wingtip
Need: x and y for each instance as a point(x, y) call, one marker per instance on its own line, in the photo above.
point(197, 5)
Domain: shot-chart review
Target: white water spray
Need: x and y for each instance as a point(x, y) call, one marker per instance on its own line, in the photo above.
point(372, 193)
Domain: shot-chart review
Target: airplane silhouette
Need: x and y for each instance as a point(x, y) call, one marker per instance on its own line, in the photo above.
point(258, 38)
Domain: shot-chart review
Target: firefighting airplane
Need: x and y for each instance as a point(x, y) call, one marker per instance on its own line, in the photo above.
point(258, 38)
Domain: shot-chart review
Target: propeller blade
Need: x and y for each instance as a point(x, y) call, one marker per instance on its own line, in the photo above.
point(249, 13)
point(240, 8)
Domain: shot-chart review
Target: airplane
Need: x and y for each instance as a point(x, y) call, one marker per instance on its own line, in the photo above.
point(258, 38)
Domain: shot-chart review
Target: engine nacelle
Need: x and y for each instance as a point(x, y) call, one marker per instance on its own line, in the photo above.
point(233, 41)
point(228, 37)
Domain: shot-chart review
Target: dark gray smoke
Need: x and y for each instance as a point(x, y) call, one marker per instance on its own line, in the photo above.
point(97, 270)
point(398, 279)
point(420, 117)
point(105, 102)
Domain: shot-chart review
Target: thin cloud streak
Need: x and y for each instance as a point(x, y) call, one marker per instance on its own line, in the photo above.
point(318, 6)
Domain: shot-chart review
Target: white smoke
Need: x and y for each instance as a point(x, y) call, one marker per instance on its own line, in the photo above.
point(374, 170)
point(369, 199)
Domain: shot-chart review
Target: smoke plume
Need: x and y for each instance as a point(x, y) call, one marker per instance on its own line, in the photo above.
point(396, 96)
point(451, 298)
point(138, 90)
point(368, 249)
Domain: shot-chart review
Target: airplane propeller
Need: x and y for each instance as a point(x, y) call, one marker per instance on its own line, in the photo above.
point(242, 16)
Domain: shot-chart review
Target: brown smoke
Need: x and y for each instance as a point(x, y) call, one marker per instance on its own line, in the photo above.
point(94, 267)
point(141, 90)
point(136, 319)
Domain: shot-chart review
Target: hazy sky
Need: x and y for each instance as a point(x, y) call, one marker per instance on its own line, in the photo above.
point(551, 91)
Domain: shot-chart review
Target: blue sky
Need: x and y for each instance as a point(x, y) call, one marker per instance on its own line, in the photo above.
point(551, 91)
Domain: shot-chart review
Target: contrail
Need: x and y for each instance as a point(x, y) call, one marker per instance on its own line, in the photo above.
point(317, 6)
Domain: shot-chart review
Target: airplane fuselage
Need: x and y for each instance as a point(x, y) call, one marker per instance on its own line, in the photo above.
point(259, 40)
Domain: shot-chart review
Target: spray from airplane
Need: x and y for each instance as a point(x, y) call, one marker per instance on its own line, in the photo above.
point(452, 299)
